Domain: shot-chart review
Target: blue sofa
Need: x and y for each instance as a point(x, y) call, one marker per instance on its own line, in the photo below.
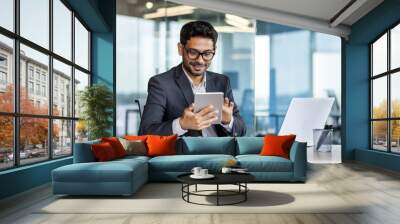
point(125, 176)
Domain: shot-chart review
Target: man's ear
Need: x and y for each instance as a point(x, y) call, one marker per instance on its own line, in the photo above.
point(180, 49)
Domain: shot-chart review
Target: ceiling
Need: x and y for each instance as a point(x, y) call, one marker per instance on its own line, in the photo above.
point(320, 9)
point(326, 16)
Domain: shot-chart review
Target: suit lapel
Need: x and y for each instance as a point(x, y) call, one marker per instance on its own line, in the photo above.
point(210, 84)
point(184, 84)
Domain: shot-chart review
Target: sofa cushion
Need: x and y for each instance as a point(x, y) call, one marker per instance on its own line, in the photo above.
point(209, 145)
point(161, 145)
point(112, 171)
point(136, 137)
point(116, 145)
point(277, 145)
point(83, 153)
point(134, 147)
point(257, 163)
point(185, 163)
point(132, 159)
point(249, 145)
point(103, 152)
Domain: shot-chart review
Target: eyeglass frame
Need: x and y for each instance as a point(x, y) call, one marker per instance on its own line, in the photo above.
point(199, 53)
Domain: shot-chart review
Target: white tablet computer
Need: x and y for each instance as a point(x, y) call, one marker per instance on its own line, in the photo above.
point(216, 99)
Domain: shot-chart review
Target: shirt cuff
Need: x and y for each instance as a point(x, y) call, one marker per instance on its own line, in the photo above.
point(229, 126)
point(176, 127)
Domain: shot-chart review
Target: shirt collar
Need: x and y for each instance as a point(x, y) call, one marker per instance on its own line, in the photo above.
point(203, 82)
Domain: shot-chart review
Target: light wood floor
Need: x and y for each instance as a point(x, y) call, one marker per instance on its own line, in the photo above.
point(377, 188)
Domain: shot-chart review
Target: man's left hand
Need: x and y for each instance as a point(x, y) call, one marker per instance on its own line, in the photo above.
point(227, 111)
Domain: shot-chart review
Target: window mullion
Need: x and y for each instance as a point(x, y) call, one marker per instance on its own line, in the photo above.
point(50, 81)
point(16, 83)
point(73, 82)
point(371, 142)
point(389, 101)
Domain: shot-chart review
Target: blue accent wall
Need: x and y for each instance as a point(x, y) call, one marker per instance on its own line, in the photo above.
point(356, 85)
point(91, 13)
point(24, 178)
point(99, 16)
point(104, 52)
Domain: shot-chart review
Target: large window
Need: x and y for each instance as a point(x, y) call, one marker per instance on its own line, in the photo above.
point(268, 64)
point(385, 94)
point(40, 80)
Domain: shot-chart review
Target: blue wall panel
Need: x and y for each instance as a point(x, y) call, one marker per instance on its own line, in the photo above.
point(102, 58)
point(356, 99)
point(91, 13)
point(381, 159)
point(24, 178)
point(103, 52)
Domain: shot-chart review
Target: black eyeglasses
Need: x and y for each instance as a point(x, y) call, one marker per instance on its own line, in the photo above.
point(194, 54)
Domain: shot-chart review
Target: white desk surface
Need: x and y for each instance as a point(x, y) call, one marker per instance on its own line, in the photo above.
point(332, 157)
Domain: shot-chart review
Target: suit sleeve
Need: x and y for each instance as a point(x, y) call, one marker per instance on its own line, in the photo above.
point(239, 127)
point(153, 112)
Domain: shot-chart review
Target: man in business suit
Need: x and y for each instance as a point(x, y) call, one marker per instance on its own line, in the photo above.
point(169, 107)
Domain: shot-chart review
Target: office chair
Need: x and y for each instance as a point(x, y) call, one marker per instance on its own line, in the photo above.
point(141, 102)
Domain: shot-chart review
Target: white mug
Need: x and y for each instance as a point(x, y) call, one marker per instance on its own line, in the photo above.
point(196, 171)
point(203, 172)
point(226, 170)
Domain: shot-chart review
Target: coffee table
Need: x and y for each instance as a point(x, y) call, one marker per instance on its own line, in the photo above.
point(238, 179)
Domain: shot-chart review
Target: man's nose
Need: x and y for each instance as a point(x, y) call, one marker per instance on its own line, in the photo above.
point(200, 59)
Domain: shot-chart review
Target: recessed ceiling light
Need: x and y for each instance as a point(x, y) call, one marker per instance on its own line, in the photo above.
point(149, 5)
point(170, 11)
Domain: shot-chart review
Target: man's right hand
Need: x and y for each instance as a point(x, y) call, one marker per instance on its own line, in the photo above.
point(198, 121)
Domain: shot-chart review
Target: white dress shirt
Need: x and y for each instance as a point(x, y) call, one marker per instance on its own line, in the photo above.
point(210, 131)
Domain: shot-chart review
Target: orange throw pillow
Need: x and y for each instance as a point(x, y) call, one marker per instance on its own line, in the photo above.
point(277, 145)
point(136, 137)
point(161, 145)
point(103, 152)
point(116, 145)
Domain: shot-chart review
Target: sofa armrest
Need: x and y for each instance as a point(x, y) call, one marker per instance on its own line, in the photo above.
point(83, 152)
point(298, 155)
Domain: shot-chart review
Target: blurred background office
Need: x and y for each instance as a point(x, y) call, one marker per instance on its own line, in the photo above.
point(268, 64)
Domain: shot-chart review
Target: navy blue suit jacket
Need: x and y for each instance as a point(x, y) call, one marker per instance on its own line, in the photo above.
point(170, 93)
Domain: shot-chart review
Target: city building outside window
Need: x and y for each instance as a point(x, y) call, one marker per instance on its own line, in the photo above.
point(43, 90)
point(3, 61)
point(37, 89)
point(3, 78)
point(30, 72)
point(30, 87)
point(37, 74)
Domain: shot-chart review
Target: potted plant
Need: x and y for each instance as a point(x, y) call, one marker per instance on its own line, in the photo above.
point(96, 103)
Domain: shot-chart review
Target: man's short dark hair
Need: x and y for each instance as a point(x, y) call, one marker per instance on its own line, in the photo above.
point(198, 29)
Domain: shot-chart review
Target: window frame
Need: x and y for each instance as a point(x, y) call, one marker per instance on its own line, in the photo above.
point(16, 114)
point(388, 74)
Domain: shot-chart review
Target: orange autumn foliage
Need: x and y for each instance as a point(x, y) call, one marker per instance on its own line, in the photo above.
point(33, 130)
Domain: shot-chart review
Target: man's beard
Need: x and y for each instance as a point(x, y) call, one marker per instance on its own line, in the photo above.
point(191, 71)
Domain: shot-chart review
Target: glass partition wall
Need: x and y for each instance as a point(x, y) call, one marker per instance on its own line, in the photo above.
point(268, 64)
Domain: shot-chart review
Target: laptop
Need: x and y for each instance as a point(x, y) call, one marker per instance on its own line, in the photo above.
point(304, 115)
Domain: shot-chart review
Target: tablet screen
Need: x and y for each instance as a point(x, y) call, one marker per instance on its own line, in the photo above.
point(216, 99)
